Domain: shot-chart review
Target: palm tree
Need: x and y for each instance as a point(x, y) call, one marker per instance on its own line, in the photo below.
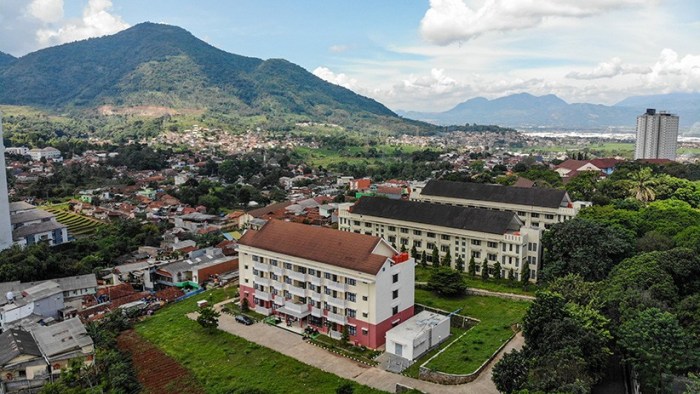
point(642, 185)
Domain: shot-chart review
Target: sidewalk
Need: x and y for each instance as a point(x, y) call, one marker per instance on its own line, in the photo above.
point(294, 346)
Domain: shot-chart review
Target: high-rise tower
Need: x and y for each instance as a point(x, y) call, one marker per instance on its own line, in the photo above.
point(657, 135)
point(5, 226)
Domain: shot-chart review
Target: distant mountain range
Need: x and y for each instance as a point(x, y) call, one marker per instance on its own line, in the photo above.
point(526, 110)
point(160, 65)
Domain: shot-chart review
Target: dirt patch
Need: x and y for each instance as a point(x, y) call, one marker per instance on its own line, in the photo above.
point(157, 372)
point(146, 110)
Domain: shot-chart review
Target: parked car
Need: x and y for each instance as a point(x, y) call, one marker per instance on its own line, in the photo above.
point(243, 319)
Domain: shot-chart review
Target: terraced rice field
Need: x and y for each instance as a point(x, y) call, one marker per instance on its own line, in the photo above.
point(78, 225)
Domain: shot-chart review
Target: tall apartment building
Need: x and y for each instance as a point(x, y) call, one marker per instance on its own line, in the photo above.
point(494, 236)
point(327, 279)
point(657, 135)
point(536, 207)
point(5, 226)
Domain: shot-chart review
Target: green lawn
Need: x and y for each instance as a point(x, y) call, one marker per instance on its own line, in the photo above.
point(497, 315)
point(224, 363)
point(414, 368)
point(500, 286)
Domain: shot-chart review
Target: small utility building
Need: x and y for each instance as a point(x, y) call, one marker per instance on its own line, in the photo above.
point(417, 335)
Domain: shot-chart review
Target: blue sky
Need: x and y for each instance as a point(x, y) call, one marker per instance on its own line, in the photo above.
point(416, 55)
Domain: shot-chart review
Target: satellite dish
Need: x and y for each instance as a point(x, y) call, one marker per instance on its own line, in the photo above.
point(10, 296)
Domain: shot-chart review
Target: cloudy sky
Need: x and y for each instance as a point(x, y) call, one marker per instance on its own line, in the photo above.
point(416, 55)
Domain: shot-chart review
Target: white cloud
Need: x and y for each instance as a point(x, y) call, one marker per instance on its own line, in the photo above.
point(448, 21)
point(672, 73)
point(338, 79)
point(609, 69)
point(338, 48)
point(96, 21)
point(46, 10)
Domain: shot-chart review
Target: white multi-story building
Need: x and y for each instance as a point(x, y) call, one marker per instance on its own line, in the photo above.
point(49, 153)
point(327, 279)
point(5, 226)
point(487, 235)
point(657, 135)
point(31, 225)
point(536, 207)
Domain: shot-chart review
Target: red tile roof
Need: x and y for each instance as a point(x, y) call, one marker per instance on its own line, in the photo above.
point(338, 248)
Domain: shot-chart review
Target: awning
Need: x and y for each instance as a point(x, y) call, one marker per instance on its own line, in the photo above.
point(296, 314)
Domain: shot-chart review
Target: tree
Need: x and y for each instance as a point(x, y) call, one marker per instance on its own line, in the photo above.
point(435, 257)
point(447, 260)
point(484, 270)
point(245, 307)
point(424, 259)
point(208, 318)
point(656, 345)
point(642, 184)
point(346, 334)
point(414, 252)
point(525, 275)
point(446, 282)
point(510, 373)
point(582, 246)
point(511, 275)
point(459, 264)
point(497, 271)
point(472, 267)
point(403, 248)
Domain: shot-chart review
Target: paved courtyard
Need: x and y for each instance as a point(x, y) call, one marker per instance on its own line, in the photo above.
point(294, 346)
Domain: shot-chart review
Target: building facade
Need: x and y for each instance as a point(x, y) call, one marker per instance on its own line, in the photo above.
point(31, 225)
point(5, 226)
point(536, 207)
point(463, 232)
point(657, 135)
point(327, 279)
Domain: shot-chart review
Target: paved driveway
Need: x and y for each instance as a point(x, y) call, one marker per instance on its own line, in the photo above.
point(294, 346)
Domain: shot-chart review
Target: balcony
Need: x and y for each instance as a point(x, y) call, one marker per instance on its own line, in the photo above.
point(297, 291)
point(336, 302)
point(315, 296)
point(263, 295)
point(279, 300)
point(296, 275)
point(336, 318)
point(515, 237)
point(297, 307)
point(336, 286)
point(279, 271)
point(279, 286)
point(317, 312)
point(262, 310)
point(262, 281)
point(315, 280)
point(262, 267)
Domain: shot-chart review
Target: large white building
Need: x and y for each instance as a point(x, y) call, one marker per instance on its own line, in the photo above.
point(536, 207)
point(327, 279)
point(31, 225)
point(494, 236)
point(657, 135)
point(5, 226)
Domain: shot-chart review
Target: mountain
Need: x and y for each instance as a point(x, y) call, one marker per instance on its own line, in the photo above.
point(160, 65)
point(526, 110)
point(6, 59)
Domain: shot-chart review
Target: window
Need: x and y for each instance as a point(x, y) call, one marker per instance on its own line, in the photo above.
point(535, 224)
point(476, 242)
point(312, 287)
point(492, 257)
point(417, 232)
point(364, 298)
point(404, 230)
point(517, 248)
point(476, 255)
point(245, 266)
point(444, 248)
point(549, 217)
point(535, 215)
point(395, 278)
point(404, 241)
point(256, 258)
point(492, 244)
point(521, 213)
point(350, 313)
point(356, 222)
point(328, 291)
point(395, 310)
point(532, 247)
point(328, 275)
point(392, 228)
point(395, 294)
point(352, 331)
point(287, 280)
point(368, 224)
point(417, 244)
point(312, 272)
point(256, 272)
point(273, 262)
point(430, 235)
point(364, 330)
point(392, 239)
point(350, 281)
point(504, 247)
point(445, 237)
point(350, 297)
point(288, 266)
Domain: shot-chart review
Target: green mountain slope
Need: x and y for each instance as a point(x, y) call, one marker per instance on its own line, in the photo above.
point(6, 59)
point(161, 65)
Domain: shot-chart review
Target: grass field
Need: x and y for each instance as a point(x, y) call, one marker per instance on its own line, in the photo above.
point(326, 157)
point(223, 363)
point(500, 286)
point(497, 317)
point(77, 224)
